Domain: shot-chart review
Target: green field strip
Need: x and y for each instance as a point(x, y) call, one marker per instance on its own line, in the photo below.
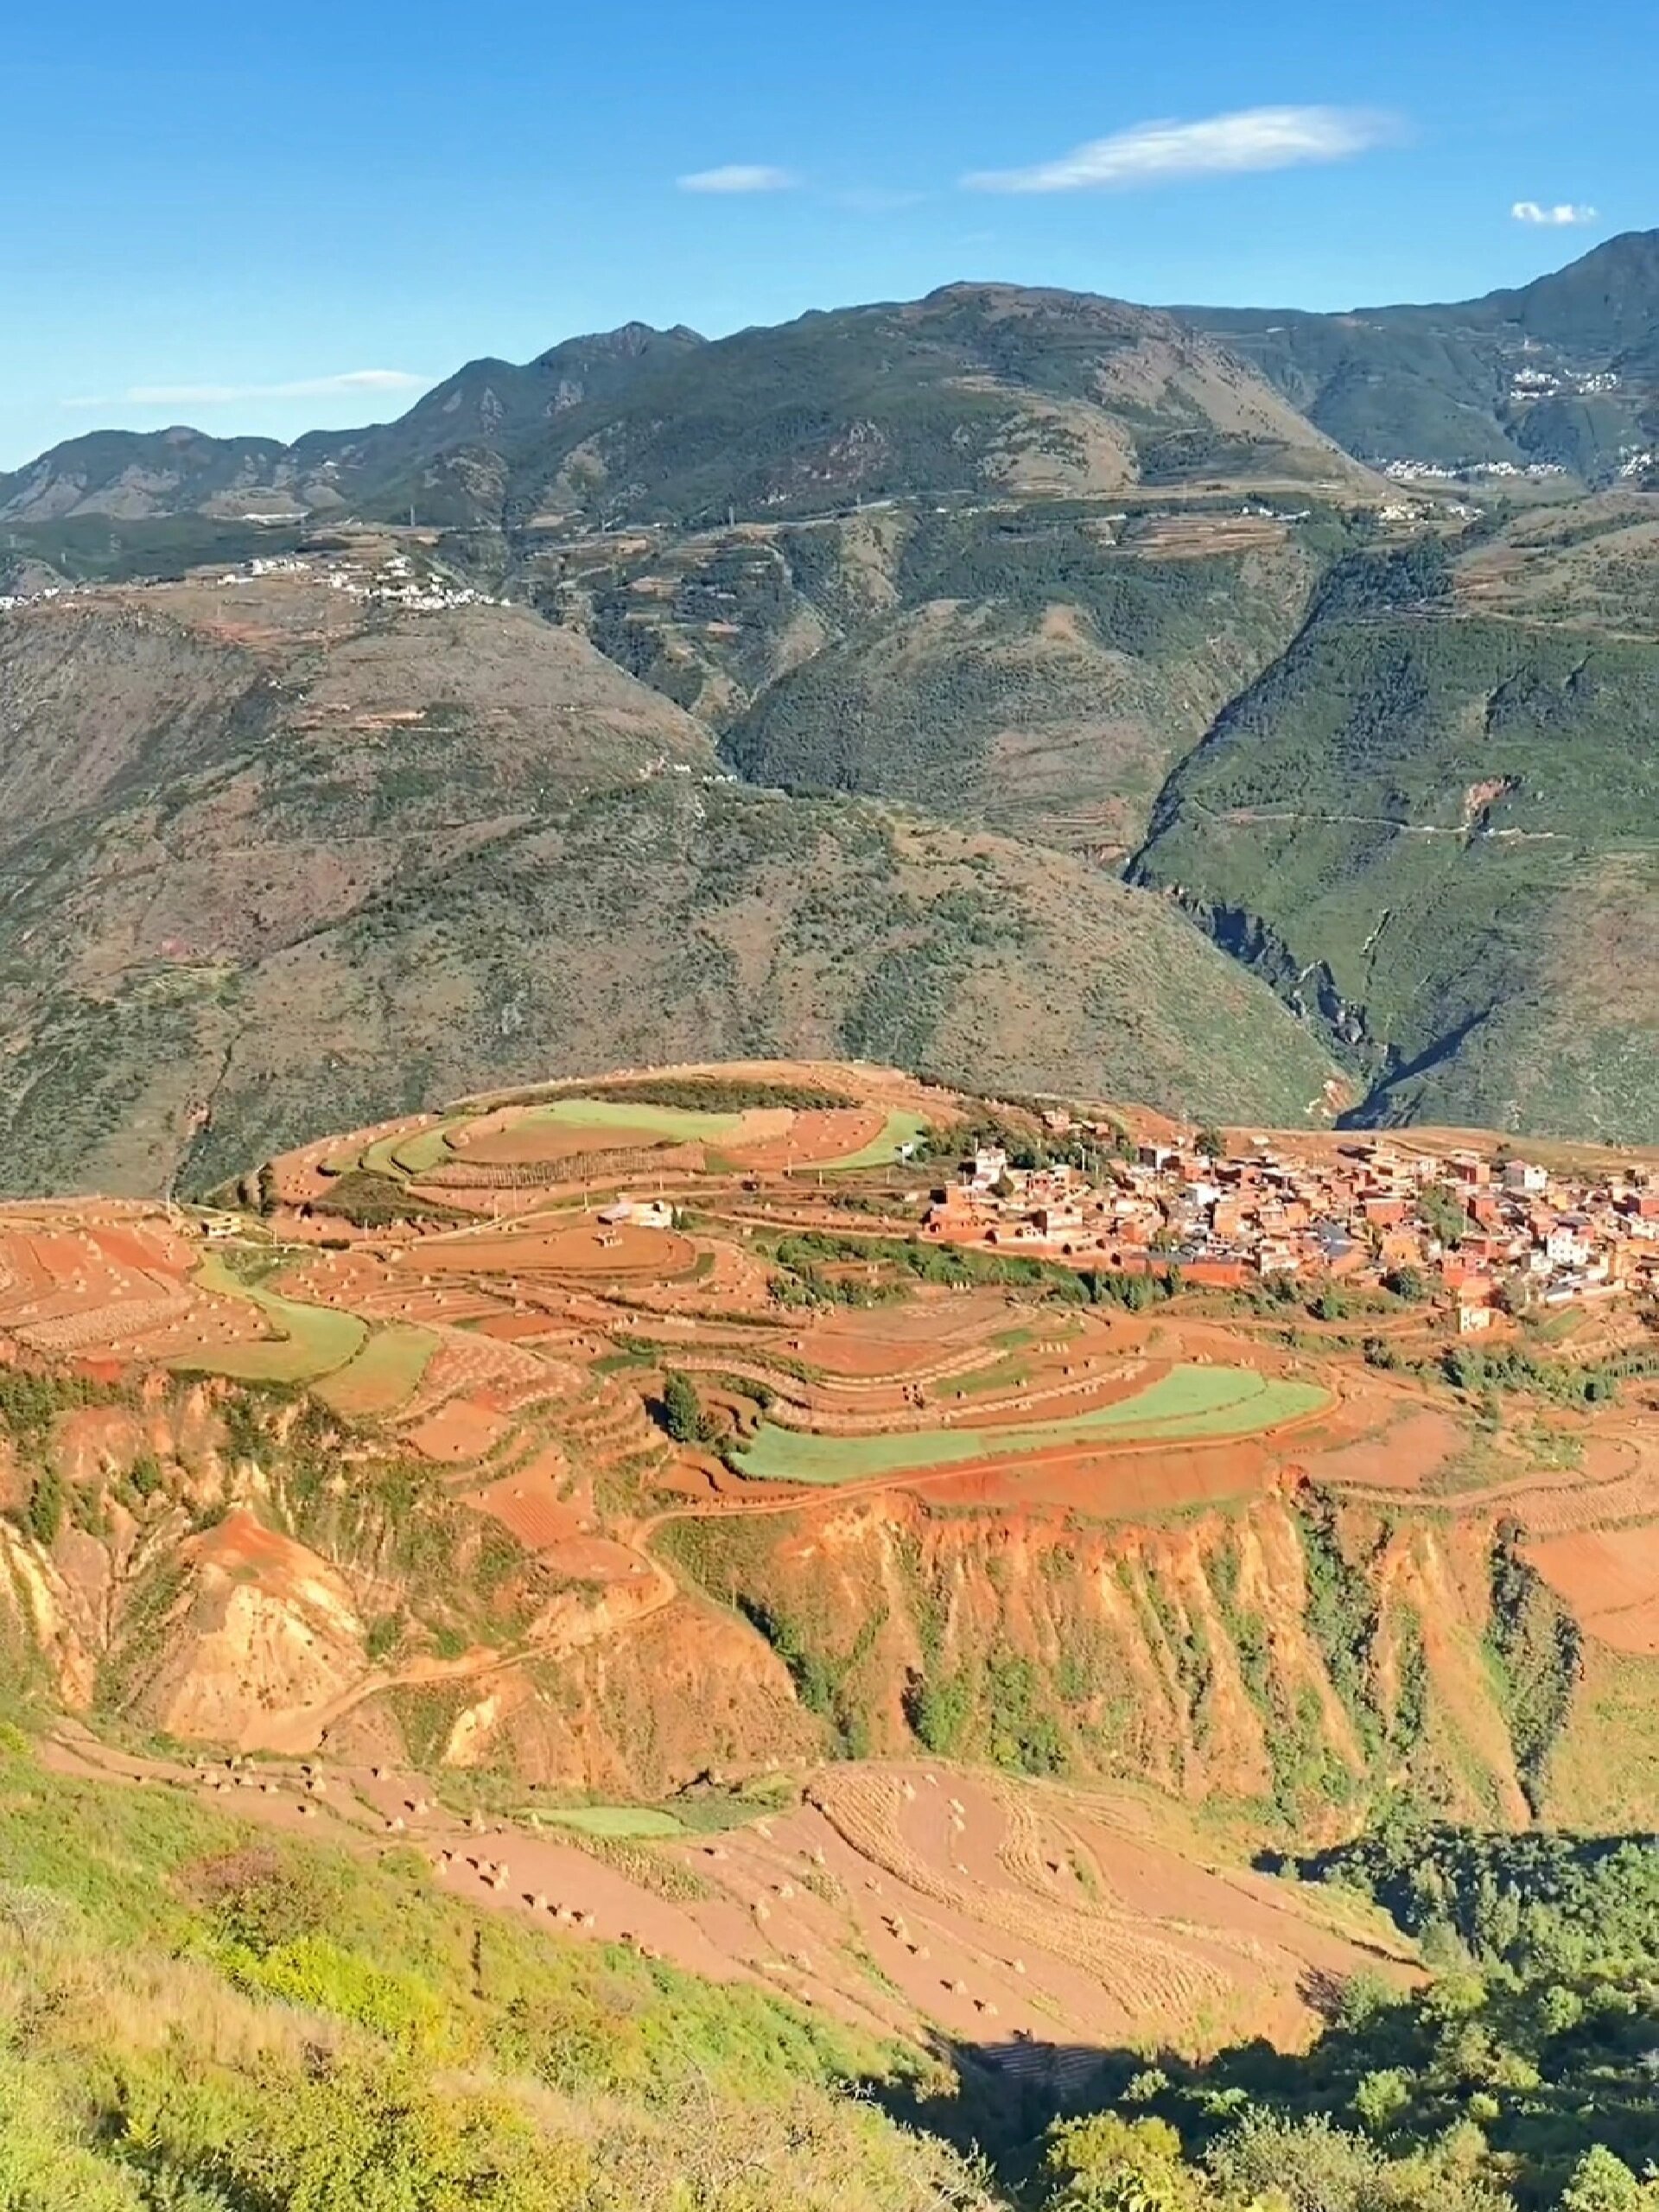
point(1189, 1404)
point(384, 1374)
point(621, 1822)
point(427, 1148)
point(882, 1151)
point(314, 1341)
point(1004, 1375)
point(684, 1124)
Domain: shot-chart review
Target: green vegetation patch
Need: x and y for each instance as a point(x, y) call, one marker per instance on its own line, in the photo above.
point(680, 1124)
point(1192, 1402)
point(898, 1129)
point(623, 1821)
point(384, 1374)
point(312, 1340)
point(427, 1148)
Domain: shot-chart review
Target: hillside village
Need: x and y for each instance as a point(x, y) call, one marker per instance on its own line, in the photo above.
point(1496, 1235)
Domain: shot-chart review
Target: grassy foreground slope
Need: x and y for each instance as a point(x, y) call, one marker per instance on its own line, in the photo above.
point(193, 2019)
point(1436, 823)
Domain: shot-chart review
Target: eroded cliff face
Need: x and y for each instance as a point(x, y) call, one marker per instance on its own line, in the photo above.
point(240, 1573)
point(1286, 1654)
point(246, 1575)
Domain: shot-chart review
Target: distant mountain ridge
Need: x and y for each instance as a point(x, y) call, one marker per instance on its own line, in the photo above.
point(811, 689)
point(977, 386)
point(1564, 370)
point(638, 424)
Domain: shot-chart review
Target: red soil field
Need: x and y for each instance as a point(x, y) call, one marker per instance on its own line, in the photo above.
point(517, 1328)
point(888, 1340)
point(459, 1430)
point(586, 1248)
point(815, 1136)
point(528, 1507)
point(1403, 1455)
point(1610, 1578)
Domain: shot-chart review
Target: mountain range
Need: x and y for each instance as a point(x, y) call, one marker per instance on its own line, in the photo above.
point(926, 681)
point(975, 382)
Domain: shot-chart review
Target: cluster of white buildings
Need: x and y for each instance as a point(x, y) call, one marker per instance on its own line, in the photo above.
point(1438, 471)
point(1476, 1229)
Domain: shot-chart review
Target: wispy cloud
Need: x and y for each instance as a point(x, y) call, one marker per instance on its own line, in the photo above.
point(1220, 145)
point(875, 199)
point(740, 176)
point(366, 382)
point(1564, 212)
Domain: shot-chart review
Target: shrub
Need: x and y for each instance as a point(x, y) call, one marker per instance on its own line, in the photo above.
point(44, 1511)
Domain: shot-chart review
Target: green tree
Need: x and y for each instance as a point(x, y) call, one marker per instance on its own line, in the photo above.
point(681, 1408)
point(46, 1505)
point(1381, 2096)
point(1603, 2183)
point(1105, 2163)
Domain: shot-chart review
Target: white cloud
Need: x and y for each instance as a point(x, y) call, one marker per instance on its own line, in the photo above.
point(1565, 212)
point(875, 200)
point(367, 381)
point(1221, 145)
point(740, 176)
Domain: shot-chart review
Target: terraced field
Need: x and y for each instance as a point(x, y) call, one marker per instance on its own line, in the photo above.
point(383, 1376)
point(898, 1131)
point(311, 1341)
point(1189, 1405)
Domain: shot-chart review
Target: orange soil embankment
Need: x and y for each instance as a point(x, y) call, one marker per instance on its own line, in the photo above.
point(1125, 1479)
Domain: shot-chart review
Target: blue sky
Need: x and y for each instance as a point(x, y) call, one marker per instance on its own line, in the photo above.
point(230, 212)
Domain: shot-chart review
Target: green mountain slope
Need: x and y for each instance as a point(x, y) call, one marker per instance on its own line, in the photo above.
point(1039, 669)
point(1563, 371)
point(1436, 822)
point(975, 387)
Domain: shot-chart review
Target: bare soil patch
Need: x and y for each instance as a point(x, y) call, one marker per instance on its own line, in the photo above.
point(1610, 1578)
point(589, 1247)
